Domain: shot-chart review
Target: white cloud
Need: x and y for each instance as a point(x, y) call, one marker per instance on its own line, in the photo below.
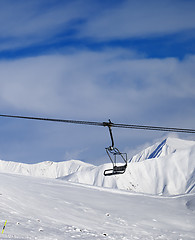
point(92, 85)
point(74, 155)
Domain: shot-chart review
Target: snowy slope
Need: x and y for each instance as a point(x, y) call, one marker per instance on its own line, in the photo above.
point(49, 209)
point(166, 168)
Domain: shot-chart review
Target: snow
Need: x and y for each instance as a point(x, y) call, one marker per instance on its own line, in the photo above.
point(42, 208)
point(47, 169)
point(161, 149)
point(154, 199)
point(191, 204)
point(166, 168)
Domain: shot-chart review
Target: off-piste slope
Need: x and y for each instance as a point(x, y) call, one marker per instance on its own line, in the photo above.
point(166, 168)
point(49, 209)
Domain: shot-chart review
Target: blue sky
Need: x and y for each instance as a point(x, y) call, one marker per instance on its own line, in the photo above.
point(131, 61)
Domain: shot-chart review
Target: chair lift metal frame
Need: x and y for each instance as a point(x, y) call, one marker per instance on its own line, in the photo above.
point(111, 150)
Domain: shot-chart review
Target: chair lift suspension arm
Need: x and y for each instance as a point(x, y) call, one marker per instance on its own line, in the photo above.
point(111, 136)
point(109, 124)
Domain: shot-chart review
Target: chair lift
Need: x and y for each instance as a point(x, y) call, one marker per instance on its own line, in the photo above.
point(111, 150)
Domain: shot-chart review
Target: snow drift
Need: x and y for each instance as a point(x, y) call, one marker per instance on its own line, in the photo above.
point(166, 168)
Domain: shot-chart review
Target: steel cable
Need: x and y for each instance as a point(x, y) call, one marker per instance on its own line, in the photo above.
point(104, 124)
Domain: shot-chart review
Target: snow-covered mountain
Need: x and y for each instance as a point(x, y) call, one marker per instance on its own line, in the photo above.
point(47, 169)
point(166, 168)
point(161, 149)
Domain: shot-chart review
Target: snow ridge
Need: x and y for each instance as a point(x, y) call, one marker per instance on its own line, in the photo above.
point(158, 150)
point(47, 169)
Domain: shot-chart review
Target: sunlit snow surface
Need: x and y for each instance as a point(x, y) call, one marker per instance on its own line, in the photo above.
point(156, 199)
point(38, 208)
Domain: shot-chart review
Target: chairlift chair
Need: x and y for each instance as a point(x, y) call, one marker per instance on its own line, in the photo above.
point(113, 152)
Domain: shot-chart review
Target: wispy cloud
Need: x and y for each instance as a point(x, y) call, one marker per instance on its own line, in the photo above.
point(141, 19)
point(31, 23)
point(25, 23)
